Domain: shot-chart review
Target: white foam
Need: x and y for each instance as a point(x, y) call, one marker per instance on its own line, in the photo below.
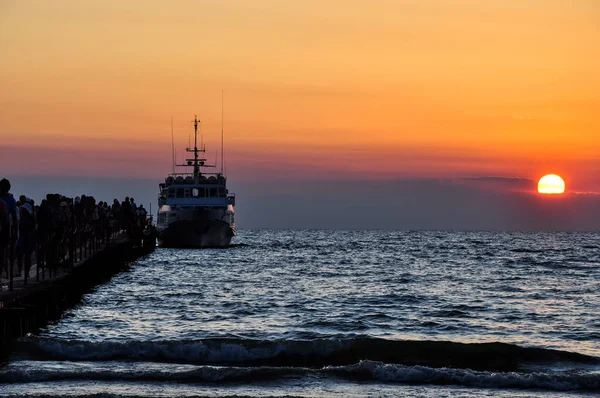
point(185, 351)
point(560, 381)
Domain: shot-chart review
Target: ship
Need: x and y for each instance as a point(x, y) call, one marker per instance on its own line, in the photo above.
point(195, 209)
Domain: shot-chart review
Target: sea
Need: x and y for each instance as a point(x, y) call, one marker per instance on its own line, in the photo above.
point(320, 313)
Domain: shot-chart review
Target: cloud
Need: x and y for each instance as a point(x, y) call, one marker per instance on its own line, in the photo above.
point(19, 160)
point(417, 204)
point(512, 183)
point(425, 204)
point(586, 193)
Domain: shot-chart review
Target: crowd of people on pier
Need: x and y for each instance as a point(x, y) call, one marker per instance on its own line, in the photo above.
point(46, 230)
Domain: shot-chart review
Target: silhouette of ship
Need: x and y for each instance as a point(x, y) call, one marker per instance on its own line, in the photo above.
point(196, 209)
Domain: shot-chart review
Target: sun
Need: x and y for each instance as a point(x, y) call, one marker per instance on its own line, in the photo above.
point(551, 184)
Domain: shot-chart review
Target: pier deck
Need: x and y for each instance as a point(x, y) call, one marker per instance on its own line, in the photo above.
point(42, 276)
point(49, 291)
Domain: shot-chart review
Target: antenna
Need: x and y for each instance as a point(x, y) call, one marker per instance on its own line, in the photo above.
point(196, 122)
point(173, 144)
point(222, 147)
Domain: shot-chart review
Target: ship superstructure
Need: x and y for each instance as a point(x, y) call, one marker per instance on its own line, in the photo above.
point(196, 209)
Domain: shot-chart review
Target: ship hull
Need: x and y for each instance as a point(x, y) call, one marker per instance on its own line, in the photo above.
point(198, 229)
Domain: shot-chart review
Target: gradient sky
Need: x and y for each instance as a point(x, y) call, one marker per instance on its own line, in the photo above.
point(325, 90)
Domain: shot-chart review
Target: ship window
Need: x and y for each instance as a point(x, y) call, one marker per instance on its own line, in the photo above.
point(198, 192)
point(171, 192)
point(186, 193)
point(222, 193)
point(213, 192)
point(180, 192)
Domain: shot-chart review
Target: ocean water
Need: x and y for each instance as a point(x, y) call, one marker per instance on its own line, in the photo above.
point(333, 314)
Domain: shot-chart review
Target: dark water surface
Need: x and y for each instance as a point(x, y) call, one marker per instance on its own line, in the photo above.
point(333, 313)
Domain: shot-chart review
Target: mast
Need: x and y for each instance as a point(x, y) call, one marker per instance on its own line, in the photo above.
point(197, 161)
point(196, 165)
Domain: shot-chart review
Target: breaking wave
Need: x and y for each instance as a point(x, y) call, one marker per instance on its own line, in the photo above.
point(362, 371)
point(559, 381)
point(304, 353)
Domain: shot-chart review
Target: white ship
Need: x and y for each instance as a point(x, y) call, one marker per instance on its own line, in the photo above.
point(196, 209)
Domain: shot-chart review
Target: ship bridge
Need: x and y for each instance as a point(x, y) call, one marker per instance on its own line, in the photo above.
point(183, 190)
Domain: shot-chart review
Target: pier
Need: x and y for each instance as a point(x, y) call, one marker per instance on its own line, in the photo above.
point(78, 246)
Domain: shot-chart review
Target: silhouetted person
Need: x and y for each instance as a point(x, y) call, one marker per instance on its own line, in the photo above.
point(126, 213)
point(11, 205)
point(26, 242)
point(116, 213)
point(43, 230)
point(4, 235)
point(141, 215)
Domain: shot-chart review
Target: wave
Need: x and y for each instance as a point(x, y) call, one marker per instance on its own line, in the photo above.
point(303, 353)
point(563, 381)
point(363, 371)
point(203, 374)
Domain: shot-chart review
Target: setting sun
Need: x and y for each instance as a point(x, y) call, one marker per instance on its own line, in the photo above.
point(551, 184)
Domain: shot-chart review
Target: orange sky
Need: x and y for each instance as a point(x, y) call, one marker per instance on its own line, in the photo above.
point(313, 89)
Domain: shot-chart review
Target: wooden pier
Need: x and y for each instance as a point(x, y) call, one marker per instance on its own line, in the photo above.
point(29, 304)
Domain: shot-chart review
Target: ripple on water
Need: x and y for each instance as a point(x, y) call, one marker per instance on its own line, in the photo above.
point(281, 284)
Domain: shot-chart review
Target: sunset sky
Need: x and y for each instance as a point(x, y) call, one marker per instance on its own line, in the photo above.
point(325, 90)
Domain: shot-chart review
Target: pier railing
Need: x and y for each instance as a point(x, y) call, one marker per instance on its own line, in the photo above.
point(58, 251)
point(67, 265)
